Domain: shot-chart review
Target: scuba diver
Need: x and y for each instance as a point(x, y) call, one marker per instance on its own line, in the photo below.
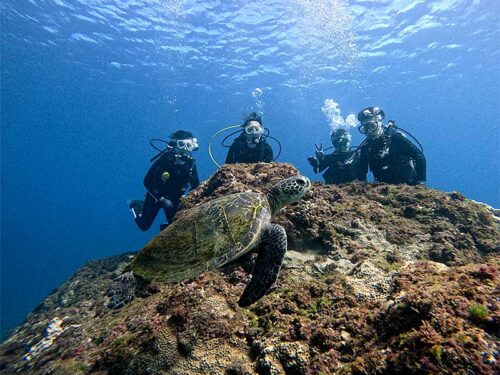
point(341, 165)
point(170, 177)
point(389, 154)
point(251, 145)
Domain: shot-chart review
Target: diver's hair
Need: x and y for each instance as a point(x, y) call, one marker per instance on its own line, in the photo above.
point(338, 132)
point(181, 134)
point(374, 111)
point(253, 116)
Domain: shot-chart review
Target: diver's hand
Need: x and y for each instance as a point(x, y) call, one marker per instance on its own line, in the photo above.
point(314, 163)
point(320, 154)
point(166, 203)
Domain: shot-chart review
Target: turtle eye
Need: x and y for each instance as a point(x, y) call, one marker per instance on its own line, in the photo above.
point(301, 182)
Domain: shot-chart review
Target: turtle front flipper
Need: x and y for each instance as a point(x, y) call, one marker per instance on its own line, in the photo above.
point(122, 291)
point(268, 264)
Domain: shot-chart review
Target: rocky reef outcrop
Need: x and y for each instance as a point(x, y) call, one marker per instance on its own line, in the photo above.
point(378, 279)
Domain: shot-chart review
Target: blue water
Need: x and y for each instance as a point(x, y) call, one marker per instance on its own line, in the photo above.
point(86, 84)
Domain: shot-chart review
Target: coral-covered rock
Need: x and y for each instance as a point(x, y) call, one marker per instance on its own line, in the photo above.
point(378, 279)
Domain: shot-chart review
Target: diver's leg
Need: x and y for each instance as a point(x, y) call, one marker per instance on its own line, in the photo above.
point(136, 206)
point(412, 171)
point(149, 211)
point(403, 173)
point(170, 208)
point(268, 264)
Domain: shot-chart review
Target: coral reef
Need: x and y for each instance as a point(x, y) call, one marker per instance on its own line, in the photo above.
point(378, 279)
point(54, 330)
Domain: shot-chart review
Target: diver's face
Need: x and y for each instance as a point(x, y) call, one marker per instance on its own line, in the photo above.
point(185, 146)
point(254, 128)
point(253, 131)
point(372, 128)
point(342, 142)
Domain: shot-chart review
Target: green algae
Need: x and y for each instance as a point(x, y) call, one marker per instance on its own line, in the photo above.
point(437, 352)
point(71, 366)
point(478, 313)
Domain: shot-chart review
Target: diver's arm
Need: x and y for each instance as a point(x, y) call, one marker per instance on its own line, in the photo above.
point(420, 166)
point(316, 160)
point(268, 154)
point(409, 149)
point(152, 177)
point(231, 154)
point(319, 165)
point(314, 163)
point(194, 181)
point(354, 162)
point(325, 162)
point(362, 166)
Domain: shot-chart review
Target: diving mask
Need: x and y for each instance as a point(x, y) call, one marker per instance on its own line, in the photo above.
point(254, 128)
point(372, 128)
point(187, 145)
point(368, 127)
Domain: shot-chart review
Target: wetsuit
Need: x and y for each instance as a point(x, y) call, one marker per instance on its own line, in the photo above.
point(393, 159)
point(239, 152)
point(342, 167)
point(166, 194)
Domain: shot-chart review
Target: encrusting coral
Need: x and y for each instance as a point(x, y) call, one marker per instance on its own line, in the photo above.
point(378, 279)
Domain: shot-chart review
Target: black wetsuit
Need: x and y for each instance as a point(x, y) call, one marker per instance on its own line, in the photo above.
point(239, 152)
point(342, 167)
point(166, 194)
point(393, 159)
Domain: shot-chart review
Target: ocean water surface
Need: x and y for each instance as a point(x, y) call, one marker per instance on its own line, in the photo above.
point(86, 83)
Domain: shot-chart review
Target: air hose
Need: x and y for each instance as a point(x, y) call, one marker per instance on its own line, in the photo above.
point(232, 127)
point(213, 137)
point(161, 152)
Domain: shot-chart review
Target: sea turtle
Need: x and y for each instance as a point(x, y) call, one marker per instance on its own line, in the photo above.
point(212, 234)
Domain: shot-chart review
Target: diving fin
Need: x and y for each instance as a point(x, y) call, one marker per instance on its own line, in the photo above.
point(136, 207)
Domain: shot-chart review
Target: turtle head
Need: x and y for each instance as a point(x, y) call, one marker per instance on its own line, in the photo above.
point(288, 191)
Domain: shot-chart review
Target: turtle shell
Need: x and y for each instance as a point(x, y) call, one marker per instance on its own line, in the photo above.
point(204, 237)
